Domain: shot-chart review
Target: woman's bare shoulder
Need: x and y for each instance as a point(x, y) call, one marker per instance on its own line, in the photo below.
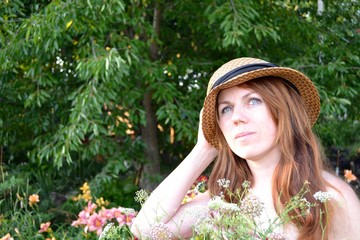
point(339, 187)
point(346, 208)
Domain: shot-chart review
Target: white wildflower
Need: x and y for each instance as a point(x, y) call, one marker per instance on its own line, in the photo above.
point(128, 210)
point(106, 230)
point(224, 183)
point(198, 212)
point(276, 236)
point(141, 196)
point(216, 203)
point(246, 184)
point(323, 196)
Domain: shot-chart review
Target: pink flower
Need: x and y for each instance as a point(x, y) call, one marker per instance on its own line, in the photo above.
point(82, 220)
point(90, 208)
point(129, 218)
point(124, 216)
point(107, 213)
point(84, 215)
point(44, 227)
point(120, 217)
point(96, 223)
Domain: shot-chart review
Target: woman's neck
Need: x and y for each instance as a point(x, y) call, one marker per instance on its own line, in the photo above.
point(263, 169)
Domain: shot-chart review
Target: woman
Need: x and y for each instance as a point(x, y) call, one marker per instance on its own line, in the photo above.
point(256, 122)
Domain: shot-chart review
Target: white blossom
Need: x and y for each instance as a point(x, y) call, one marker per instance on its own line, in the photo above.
point(323, 196)
point(224, 182)
point(216, 203)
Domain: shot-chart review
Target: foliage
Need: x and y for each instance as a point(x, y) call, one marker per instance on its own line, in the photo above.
point(81, 82)
point(22, 214)
point(67, 69)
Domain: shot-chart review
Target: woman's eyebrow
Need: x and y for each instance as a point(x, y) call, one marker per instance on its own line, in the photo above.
point(224, 102)
point(242, 98)
point(247, 95)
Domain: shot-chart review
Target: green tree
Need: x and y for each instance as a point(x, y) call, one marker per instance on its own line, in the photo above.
point(108, 81)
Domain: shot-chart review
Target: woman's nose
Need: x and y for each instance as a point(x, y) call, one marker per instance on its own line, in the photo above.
point(240, 115)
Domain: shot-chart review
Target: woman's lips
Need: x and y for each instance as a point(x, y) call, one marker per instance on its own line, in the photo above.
point(243, 134)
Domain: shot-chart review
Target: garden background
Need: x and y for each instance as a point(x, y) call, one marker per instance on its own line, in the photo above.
point(105, 95)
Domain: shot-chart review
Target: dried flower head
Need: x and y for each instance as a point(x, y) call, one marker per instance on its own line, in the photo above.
point(160, 231)
point(323, 196)
point(251, 206)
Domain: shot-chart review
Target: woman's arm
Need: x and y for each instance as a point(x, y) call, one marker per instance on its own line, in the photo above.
point(165, 201)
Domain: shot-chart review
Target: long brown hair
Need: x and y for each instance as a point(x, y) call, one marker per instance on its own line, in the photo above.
point(302, 158)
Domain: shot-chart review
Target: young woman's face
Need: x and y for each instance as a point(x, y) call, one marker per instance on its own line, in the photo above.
point(246, 123)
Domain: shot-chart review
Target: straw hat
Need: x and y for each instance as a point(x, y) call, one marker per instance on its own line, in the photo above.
point(241, 70)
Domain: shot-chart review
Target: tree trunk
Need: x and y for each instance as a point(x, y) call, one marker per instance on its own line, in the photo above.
point(149, 132)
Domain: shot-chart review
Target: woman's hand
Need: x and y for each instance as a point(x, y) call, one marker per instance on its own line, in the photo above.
point(201, 141)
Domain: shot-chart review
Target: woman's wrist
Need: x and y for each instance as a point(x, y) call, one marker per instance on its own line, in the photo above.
point(205, 153)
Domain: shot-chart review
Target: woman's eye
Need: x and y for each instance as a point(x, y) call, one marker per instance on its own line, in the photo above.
point(254, 101)
point(225, 110)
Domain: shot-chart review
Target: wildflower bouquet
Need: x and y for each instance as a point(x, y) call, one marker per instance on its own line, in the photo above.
point(245, 219)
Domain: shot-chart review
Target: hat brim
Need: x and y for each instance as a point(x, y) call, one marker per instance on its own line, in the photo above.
point(303, 84)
